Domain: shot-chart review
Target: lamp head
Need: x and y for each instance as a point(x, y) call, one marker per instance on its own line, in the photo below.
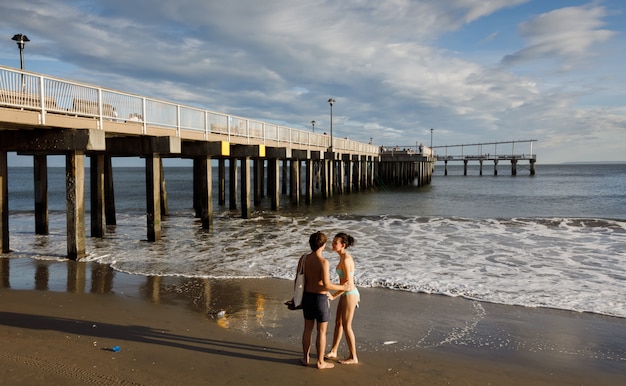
point(20, 39)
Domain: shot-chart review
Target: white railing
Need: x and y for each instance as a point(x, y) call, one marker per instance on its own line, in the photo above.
point(32, 91)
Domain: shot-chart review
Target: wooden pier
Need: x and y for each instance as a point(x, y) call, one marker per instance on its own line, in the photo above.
point(483, 153)
point(406, 166)
point(42, 116)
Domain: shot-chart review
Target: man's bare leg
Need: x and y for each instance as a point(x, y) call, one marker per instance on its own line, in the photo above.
point(321, 346)
point(307, 337)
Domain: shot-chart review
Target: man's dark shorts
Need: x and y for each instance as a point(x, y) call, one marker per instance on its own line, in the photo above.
point(316, 307)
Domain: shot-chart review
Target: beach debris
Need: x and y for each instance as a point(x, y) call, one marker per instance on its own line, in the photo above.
point(221, 314)
point(94, 326)
point(390, 342)
point(95, 344)
point(116, 349)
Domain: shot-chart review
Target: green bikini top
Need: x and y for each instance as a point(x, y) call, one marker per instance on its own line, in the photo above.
point(340, 273)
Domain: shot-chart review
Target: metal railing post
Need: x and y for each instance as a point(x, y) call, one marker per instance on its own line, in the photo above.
point(42, 98)
point(178, 120)
point(100, 109)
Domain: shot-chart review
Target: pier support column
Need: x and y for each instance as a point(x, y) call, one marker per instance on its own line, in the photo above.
point(324, 171)
point(513, 167)
point(285, 174)
point(221, 181)
point(317, 173)
point(96, 180)
point(75, 204)
point(40, 163)
point(308, 194)
point(165, 209)
point(495, 167)
point(330, 175)
point(245, 188)
point(356, 174)
point(273, 171)
point(464, 167)
point(294, 181)
point(421, 177)
point(532, 167)
point(341, 176)
point(196, 186)
point(481, 167)
point(445, 167)
point(362, 172)
point(350, 174)
point(4, 203)
point(205, 199)
point(109, 192)
point(232, 172)
point(258, 181)
point(153, 196)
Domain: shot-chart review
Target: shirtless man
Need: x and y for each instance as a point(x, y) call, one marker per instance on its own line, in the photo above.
point(315, 302)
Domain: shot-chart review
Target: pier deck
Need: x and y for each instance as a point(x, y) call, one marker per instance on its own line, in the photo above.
point(42, 116)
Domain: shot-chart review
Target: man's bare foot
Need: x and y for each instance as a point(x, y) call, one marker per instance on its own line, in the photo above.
point(349, 361)
point(331, 355)
point(325, 365)
point(304, 362)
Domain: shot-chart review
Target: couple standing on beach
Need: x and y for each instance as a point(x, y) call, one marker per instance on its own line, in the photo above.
point(316, 299)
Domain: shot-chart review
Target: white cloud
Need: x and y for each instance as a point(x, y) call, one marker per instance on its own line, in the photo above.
point(566, 34)
point(281, 60)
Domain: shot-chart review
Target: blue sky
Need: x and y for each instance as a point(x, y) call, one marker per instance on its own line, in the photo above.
point(472, 70)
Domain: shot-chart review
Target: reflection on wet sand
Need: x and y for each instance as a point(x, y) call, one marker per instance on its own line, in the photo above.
point(232, 304)
point(4, 273)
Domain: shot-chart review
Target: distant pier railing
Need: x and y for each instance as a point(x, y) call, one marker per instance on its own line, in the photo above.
point(481, 155)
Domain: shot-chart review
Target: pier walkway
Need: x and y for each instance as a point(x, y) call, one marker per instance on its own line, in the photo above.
point(483, 153)
point(42, 115)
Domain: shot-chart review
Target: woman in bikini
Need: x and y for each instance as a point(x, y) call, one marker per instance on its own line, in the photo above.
point(348, 300)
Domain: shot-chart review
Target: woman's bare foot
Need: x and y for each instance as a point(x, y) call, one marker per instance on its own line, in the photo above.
point(304, 362)
point(331, 355)
point(349, 361)
point(325, 365)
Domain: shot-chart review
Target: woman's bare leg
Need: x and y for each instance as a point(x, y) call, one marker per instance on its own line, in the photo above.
point(348, 315)
point(332, 354)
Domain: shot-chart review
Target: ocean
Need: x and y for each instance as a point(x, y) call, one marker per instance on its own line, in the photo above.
point(556, 239)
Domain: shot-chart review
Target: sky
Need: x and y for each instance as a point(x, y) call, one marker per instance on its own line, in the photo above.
point(473, 71)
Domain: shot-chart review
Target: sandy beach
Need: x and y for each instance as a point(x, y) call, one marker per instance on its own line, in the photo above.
point(60, 323)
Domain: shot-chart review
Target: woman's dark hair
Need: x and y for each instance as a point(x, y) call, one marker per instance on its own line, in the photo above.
point(317, 240)
point(346, 239)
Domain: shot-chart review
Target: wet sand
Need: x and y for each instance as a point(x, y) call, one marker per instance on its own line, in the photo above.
point(59, 323)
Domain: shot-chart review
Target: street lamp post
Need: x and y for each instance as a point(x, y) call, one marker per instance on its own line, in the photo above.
point(21, 40)
point(331, 101)
point(313, 124)
point(431, 139)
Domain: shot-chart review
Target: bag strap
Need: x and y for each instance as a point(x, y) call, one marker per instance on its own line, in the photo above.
point(302, 260)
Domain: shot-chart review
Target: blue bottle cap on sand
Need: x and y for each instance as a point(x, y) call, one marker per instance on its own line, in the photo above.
point(116, 349)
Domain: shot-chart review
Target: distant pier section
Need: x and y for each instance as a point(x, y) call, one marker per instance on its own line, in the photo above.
point(488, 151)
